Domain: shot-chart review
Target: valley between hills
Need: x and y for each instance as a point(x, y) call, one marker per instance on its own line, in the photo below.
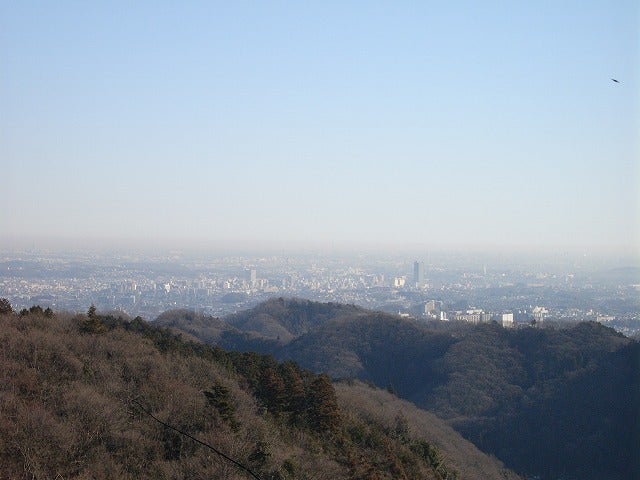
point(295, 389)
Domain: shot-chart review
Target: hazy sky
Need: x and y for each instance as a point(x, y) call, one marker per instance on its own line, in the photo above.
point(322, 123)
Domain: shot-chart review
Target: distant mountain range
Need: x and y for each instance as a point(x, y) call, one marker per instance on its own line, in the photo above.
point(555, 403)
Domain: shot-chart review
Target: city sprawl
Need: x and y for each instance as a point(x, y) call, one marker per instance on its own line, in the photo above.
point(429, 287)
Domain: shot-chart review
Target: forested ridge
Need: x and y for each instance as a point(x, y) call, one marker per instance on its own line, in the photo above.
point(549, 402)
point(100, 396)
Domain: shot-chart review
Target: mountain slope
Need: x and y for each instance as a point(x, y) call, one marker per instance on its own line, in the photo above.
point(76, 394)
point(380, 406)
point(573, 393)
point(381, 348)
point(504, 389)
point(285, 319)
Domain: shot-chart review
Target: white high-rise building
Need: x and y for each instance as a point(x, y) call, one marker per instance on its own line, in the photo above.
point(506, 319)
point(418, 273)
point(251, 277)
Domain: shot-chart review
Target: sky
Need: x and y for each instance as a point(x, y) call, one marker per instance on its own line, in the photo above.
point(322, 124)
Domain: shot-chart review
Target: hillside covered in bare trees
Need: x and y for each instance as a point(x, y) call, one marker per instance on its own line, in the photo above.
point(557, 401)
point(95, 396)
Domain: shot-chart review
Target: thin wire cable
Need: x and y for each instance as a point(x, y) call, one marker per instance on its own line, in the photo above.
point(237, 464)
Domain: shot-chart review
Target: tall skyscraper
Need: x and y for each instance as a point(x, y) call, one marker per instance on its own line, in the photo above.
point(251, 276)
point(418, 273)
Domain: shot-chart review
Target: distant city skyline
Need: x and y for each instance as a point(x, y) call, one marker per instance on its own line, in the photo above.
point(460, 287)
point(326, 126)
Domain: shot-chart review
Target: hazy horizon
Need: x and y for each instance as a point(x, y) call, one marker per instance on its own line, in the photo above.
point(440, 254)
point(324, 126)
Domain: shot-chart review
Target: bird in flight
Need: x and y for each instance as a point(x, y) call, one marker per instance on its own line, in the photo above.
point(614, 80)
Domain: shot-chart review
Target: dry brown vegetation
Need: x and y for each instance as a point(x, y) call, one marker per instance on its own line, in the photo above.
point(67, 410)
point(572, 390)
point(375, 406)
point(70, 387)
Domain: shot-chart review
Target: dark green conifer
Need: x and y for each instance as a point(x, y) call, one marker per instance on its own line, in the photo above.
point(5, 307)
point(324, 412)
point(295, 392)
point(272, 391)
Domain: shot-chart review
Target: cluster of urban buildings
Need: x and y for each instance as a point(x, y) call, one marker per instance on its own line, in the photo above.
point(434, 310)
point(226, 285)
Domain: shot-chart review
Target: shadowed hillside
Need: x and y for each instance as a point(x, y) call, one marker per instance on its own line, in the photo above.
point(405, 419)
point(573, 393)
point(77, 394)
point(382, 348)
point(285, 319)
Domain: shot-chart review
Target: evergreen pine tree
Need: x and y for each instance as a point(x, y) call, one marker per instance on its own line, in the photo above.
point(324, 412)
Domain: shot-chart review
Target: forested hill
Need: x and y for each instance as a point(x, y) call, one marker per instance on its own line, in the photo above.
point(264, 328)
point(285, 319)
point(93, 396)
point(572, 393)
